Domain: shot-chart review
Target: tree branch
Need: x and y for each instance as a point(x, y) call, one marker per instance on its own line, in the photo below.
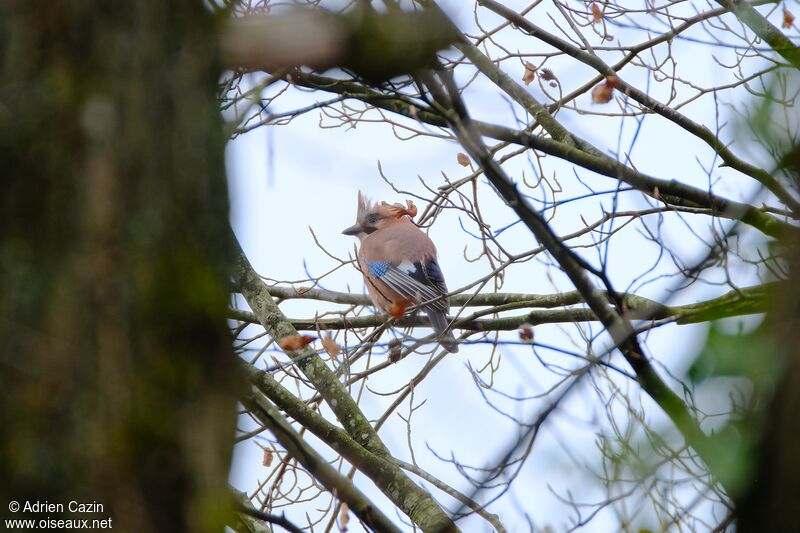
point(413, 500)
point(671, 192)
point(764, 29)
point(738, 302)
point(317, 466)
point(265, 309)
point(617, 325)
point(594, 61)
point(251, 518)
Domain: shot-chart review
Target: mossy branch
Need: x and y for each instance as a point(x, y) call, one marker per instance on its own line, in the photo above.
point(383, 471)
point(316, 465)
point(670, 191)
point(614, 319)
point(268, 314)
point(361, 440)
point(759, 25)
point(738, 302)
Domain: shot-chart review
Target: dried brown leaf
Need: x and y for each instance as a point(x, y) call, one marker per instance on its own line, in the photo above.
point(291, 343)
point(462, 159)
point(788, 18)
point(603, 93)
point(267, 461)
point(526, 332)
point(330, 345)
point(597, 13)
point(344, 517)
point(529, 74)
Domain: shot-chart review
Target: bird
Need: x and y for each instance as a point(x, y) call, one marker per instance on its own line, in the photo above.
point(399, 264)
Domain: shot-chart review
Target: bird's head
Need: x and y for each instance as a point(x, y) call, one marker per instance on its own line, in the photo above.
point(372, 217)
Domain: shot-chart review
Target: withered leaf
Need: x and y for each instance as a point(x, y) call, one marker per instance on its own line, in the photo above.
point(526, 332)
point(267, 461)
point(788, 18)
point(597, 13)
point(603, 93)
point(529, 74)
point(462, 159)
point(330, 345)
point(344, 517)
point(295, 342)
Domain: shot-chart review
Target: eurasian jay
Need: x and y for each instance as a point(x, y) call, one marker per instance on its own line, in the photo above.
point(398, 262)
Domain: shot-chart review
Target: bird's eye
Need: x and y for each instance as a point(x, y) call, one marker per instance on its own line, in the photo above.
point(372, 219)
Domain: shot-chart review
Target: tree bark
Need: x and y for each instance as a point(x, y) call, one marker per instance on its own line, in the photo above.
point(771, 499)
point(117, 368)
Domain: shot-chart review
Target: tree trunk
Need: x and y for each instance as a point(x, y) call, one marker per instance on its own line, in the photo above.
point(117, 371)
point(772, 497)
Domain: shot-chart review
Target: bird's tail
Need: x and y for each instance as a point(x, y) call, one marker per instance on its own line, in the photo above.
point(439, 324)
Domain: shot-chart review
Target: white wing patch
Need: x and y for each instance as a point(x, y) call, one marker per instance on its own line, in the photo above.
point(408, 268)
point(399, 280)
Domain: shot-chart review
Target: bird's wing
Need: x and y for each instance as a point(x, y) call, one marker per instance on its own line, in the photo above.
point(420, 281)
point(433, 275)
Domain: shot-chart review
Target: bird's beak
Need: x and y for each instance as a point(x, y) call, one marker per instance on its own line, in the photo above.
point(352, 230)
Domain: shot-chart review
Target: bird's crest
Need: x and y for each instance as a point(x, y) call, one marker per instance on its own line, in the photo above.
point(365, 206)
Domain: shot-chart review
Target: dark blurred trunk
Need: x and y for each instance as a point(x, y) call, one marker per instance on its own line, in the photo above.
point(116, 366)
point(772, 499)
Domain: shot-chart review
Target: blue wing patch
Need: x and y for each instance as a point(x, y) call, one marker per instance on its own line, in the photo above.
point(420, 281)
point(378, 268)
